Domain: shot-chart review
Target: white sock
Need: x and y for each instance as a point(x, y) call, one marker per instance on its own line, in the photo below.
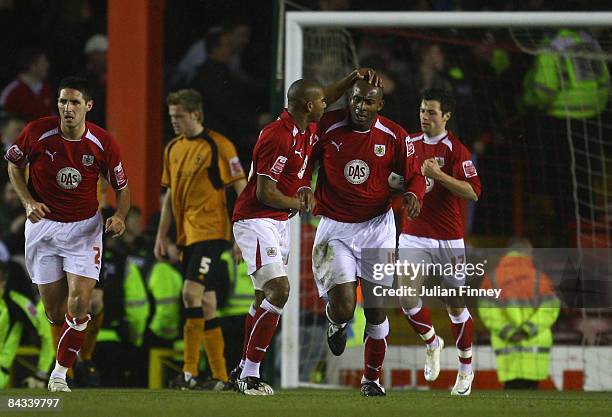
point(434, 344)
point(364, 380)
point(59, 371)
point(465, 368)
point(250, 369)
point(340, 325)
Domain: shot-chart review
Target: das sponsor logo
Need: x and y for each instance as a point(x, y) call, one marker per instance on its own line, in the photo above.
point(68, 178)
point(429, 184)
point(356, 171)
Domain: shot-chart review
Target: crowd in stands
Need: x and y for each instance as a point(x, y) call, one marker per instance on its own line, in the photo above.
point(487, 74)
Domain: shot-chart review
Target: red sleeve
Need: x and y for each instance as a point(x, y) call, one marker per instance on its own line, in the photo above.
point(115, 171)
point(413, 179)
point(464, 169)
point(19, 153)
point(273, 153)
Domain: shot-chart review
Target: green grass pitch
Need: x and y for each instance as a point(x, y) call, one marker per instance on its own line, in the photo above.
point(315, 403)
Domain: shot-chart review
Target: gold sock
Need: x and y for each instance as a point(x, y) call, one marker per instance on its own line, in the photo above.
point(215, 351)
point(192, 338)
point(91, 335)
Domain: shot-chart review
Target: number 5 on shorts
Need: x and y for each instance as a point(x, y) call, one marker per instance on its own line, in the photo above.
point(205, 265)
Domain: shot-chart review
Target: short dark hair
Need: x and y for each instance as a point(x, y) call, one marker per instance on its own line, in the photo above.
point(76, 83)
point(444, 97)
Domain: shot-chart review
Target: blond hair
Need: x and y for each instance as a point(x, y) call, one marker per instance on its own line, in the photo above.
point(189, 98)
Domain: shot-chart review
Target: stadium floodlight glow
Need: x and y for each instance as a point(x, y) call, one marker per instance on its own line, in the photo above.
point(297, 22)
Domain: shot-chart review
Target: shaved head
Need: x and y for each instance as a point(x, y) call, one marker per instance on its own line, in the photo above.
point(306, 98)
point(302, 91)
point(364, 87)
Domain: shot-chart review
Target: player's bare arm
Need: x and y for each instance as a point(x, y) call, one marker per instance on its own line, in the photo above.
point(269, 194)
point(236, 252)
point(116, 223)
point(334, 91)
point(165, 221)
point(239, 186)
point(463, 189)
point(35, 210)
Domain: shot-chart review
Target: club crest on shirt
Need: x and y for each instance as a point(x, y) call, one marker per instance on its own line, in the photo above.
point(440, 161)
point(88, 160)
point(379, 150)
point(199, 159)
point(271, 252)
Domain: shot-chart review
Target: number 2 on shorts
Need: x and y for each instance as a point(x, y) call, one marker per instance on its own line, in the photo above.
point(97, 256)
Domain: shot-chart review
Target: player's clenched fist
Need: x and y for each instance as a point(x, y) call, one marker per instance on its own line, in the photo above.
point(307, 200)
point(115, 225)
point(413, 207)
point(36, 211)
point(431, 169)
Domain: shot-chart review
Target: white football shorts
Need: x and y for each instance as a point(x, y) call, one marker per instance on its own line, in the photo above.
point(337, 257)
point(53, 248)
point(440, 253)
point(265, 248)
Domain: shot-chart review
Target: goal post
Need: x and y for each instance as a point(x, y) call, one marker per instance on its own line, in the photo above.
point(295, 25)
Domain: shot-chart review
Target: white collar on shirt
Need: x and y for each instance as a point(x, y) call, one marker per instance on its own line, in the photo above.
point(435, 139)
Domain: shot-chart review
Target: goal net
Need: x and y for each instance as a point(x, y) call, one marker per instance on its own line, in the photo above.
point(533, 93)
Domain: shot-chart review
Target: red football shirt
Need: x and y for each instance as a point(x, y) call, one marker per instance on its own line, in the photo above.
point(440, 216)
point(281, 154)
point(353, 185)
point(19, 98)
point(64, 173)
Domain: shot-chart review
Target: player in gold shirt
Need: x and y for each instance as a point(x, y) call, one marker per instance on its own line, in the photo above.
point(198, 165)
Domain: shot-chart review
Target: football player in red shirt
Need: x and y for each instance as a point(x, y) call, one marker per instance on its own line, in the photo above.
point(65, 155)
point(436, 236)
point(278, 185)
point(358, 151)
